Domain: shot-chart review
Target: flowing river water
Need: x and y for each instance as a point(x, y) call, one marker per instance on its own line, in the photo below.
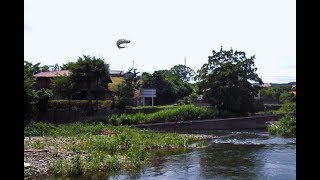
point(230, 155)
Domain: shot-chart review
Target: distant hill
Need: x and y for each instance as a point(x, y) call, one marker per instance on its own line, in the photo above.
point(279, 84)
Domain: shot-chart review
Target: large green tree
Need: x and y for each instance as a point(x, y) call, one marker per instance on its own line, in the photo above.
point(169, 87)
point(224, 80)
point(126, 90)
point(90, 74)
point(64, 87)
point(185, 73)
point(29, 89)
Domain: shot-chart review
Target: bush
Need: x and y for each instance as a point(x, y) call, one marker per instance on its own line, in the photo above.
point(180, 113)
point(149, 109)
point(288, 108)
point(74, 129)
point(80, 104)
point(38, 129)
point(271, 107)
point(286, 126)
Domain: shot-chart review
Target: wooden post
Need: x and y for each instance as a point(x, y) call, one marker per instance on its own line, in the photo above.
point(152, 101)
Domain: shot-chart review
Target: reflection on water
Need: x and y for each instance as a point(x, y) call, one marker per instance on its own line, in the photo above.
point(230, 155)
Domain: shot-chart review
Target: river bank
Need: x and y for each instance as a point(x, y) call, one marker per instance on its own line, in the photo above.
point(74, 149)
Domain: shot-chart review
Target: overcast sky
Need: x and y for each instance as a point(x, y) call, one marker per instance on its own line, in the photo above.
point(163, 33)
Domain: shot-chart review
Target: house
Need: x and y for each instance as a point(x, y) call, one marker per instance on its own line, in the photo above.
point(43, 80)
point(267, 85)
point(116, 73)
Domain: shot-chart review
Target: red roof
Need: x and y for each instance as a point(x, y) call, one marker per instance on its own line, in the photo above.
point(266, 85)
point(52, 73)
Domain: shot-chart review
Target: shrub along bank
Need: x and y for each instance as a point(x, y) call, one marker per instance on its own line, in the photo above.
point(181, 113)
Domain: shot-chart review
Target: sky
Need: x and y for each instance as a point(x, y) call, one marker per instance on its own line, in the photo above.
point(163, 33)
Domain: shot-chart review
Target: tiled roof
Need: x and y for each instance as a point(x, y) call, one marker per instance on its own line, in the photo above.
point(52, 73)
point(111, 72)
point(266, 85)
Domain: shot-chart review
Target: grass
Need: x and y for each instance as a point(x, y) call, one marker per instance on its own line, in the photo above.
point(38, 145)
point(115, 82)
point(287, 108)
point(180, 113)
point(286, 126)
point(119, 147)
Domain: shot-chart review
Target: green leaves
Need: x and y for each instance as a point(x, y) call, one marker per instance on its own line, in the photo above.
point(224, 80)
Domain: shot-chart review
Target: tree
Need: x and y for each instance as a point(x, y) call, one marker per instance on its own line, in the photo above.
point(272, 94)
point(45, 68)
point(225, 81)
point(89, 73)
point(67, 66)
point(63, 87)
point(127, 89)
point(29, 90)
point(169, 86)
point(183, 72)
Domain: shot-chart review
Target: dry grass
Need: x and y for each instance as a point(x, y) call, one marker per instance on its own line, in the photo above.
point(115, 82)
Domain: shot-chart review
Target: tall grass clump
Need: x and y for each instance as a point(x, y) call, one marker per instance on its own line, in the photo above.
point(286, 126)
point(180, 113)
point(74, 129)
point(38, 129)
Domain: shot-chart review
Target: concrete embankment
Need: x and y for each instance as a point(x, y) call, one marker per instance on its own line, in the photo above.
point(251, 122)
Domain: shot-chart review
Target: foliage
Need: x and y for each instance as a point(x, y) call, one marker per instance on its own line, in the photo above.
point(169, 86)
point(286, 126)
point(225, 81)
point(272, 107)
point(79, 104)
point(183, 72)
point(124, 147)
point(287, 108)
point(180, 113)
point(90, 74)
point(29, 90)
point(286, 97)
point(64, 87)
point(272, 94)
point(68, 66)
point(115, 82)
point(193, 96)
point(38, 129)
point(127, 88)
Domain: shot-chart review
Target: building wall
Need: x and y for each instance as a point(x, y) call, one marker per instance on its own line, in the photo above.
point(43, 82)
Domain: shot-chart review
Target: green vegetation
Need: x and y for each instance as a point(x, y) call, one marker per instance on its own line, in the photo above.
point(168, 84)
point(126, 90)
point(64, 87)
point(286, 126)
point(180, 113)
point(287, 108)
point(149, 109)
point(99, 147)
point(63, 104)
point(277, 94)
point(116, 81)
point(224, 80)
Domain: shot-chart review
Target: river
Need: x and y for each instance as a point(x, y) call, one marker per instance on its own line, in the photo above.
point(229, 155)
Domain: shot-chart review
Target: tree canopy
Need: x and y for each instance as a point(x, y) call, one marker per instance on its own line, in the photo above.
point(168, 85)
point(224, 80)
point(183, 72)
